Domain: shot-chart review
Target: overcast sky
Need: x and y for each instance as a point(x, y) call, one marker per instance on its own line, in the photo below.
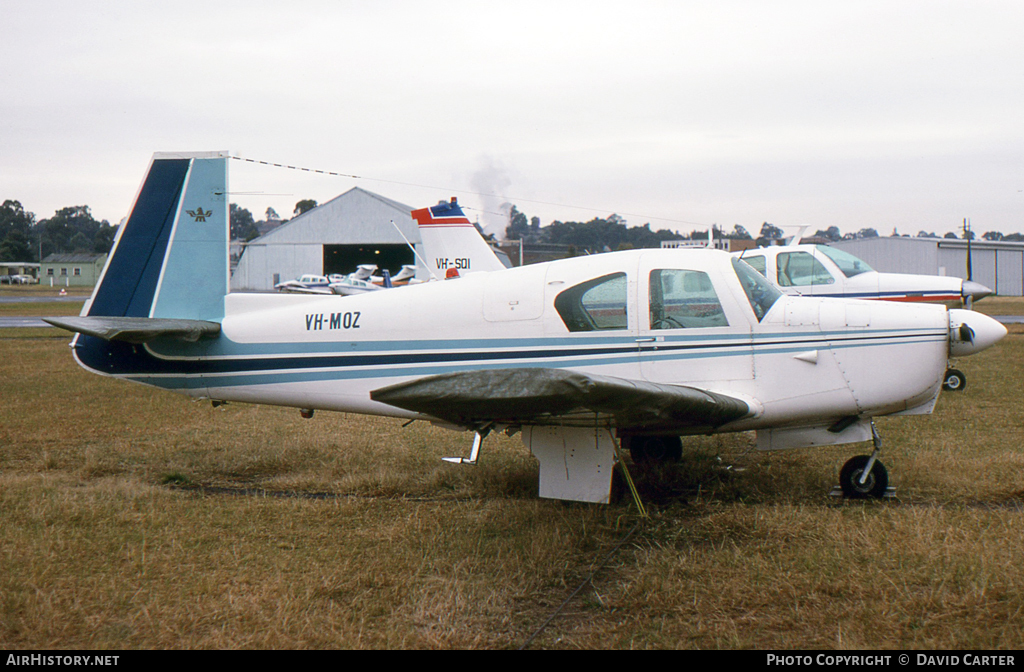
point(681, 114)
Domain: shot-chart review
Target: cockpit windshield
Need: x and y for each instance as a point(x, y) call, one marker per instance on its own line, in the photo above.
point(847, 263)
point(761, 293)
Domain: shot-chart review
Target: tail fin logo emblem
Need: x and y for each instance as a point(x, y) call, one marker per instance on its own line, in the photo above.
point(199, 215)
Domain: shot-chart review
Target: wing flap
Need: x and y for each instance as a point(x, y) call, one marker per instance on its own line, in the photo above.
point(137, 329)
point(539, 396)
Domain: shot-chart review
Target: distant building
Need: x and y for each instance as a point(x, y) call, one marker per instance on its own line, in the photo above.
point(19, 268)
point(724, 244)
point(71, 270)
point(998, 265)
point(357, 227)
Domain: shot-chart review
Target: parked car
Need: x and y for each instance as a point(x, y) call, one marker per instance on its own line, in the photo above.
point(17, 280)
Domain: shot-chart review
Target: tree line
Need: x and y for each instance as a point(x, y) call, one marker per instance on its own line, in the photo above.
point(71, 229)
point(75, 230)
point(611, 233)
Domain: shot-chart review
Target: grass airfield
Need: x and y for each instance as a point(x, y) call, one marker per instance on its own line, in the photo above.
point(134, 518)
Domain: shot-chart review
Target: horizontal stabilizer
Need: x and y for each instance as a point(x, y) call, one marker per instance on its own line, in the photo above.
point(137, 329)
point(538, 396)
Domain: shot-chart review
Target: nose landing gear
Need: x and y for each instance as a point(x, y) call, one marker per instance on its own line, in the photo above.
point(954, 380)
point(863, 476)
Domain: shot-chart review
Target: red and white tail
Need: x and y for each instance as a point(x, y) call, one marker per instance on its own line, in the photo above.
point(451, 244)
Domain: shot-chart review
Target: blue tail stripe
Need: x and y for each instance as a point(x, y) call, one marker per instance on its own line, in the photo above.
point(132, 274)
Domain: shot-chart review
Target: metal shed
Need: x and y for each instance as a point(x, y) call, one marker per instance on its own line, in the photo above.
point(996, 264)
point(354, 228)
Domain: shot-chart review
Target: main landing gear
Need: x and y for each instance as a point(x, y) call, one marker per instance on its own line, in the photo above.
point(653, 449)
point(864, 477)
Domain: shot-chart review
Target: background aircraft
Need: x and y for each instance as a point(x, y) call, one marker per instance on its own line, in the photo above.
point(638, 347)
point(450, 241)
point(451, 247)
point(306, 284)
point(820, 270)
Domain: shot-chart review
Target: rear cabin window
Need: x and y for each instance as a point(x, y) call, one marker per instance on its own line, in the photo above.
point(799, 269)
point(684, 300)
point(595, 305)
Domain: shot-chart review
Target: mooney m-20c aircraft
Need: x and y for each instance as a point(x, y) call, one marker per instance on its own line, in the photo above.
point(638, 347)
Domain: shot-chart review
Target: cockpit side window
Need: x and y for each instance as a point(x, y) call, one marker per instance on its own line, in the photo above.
point(758, 263)
point(799, 269)
point(684, 300)
point(595, 305)
point(761, 293)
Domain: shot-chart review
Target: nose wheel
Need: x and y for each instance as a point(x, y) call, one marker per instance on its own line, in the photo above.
point(954, 380)
point(860, 481)
point(863, 476)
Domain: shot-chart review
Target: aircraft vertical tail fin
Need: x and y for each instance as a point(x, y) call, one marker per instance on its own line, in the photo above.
point(170, 257)
point(450, 241)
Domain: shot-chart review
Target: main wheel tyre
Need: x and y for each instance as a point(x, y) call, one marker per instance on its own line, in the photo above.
point(653, 449)
point(954, 381)
point(875, 486)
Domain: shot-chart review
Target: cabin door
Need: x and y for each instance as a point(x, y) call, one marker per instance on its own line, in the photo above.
point(692, 327)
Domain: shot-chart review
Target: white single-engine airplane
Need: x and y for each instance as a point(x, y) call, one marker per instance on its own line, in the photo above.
point(640, 346)
point(306, 284)
point(820, 270)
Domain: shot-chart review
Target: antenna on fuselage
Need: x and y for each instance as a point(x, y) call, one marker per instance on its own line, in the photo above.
point(969, 300)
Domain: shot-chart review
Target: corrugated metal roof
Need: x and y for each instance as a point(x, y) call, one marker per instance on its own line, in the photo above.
point(75, 258)
point(357, 216)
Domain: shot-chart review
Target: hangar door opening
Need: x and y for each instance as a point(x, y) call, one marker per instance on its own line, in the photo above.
point(344, 259)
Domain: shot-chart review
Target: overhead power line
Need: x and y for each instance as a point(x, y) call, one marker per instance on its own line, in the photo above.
point(334, 173)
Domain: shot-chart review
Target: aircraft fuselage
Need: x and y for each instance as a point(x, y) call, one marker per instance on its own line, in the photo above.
point(805, 359)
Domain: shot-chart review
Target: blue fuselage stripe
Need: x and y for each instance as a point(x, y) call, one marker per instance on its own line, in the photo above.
point(135, 361)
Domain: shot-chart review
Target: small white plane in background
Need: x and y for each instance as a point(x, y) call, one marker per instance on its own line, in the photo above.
point(306, 284)
point(820, 270)
point(451, 246)
point(639, 347)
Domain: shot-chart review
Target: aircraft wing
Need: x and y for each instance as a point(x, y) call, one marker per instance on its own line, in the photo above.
point(540, 396)
point(136, 329)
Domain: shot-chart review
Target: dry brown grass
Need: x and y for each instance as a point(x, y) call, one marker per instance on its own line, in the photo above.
point(108, 541)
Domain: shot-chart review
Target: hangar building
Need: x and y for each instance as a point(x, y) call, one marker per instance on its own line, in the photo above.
point(997, 265)
point(351, 229)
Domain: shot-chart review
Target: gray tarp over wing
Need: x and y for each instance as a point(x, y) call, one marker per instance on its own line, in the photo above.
point(556, 396)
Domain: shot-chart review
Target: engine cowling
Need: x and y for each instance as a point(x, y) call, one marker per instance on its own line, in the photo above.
point(971, 332)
